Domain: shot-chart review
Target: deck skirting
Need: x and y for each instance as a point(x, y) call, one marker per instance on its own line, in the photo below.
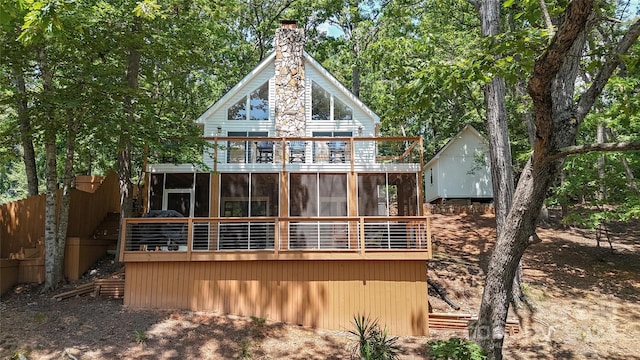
point(319, 294)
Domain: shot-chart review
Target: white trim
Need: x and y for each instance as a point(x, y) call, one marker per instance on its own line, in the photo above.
point(191, 192)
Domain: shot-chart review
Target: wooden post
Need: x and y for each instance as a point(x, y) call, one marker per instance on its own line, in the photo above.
point(429, 237)
point(123, 233)
point(189, 237)
point(362, 243)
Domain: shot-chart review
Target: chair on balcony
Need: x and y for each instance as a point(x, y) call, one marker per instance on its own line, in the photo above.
point(297, 150)
point(265, 151)
point(336, 151)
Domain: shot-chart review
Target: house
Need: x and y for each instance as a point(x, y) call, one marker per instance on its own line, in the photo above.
point(460, 170)
point(302, 214)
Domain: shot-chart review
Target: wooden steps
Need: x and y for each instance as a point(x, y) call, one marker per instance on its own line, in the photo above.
point(109, 228)
point(447, 321)
point(113, 288)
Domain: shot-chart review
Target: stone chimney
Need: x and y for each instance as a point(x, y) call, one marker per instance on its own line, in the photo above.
point(289, 80)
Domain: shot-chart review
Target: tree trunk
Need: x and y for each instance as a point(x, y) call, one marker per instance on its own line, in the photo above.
point(53, 267)
point(26, 135)
point(558, 116)
point(499, 144)
point(67, 183)
point(124, 155)
point(355, 81)
point(552, 109)
point(629, 173)
point(507, 253)
point(600, 196)
point(53, 258)
point(623, 160)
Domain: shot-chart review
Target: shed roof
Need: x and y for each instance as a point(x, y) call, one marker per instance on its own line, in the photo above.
point(467, 128)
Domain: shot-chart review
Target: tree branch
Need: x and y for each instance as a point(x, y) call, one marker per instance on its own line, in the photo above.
point(582, 149)
point(586, 100)
point(547, 18)
point(548, 65)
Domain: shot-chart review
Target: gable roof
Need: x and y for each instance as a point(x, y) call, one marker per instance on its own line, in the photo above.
point(454, 139)
point(309, 60)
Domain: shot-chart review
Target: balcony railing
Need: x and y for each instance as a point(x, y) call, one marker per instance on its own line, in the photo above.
point(307, 150)
point(273, 236)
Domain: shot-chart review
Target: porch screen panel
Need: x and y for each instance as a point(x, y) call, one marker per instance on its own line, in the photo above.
point(265, 192)
point(234, 195)
point(264, 202)
point(155, 191)
point(303, 195)
point(407, 193)
point(201, 208)
point(332, 193)
point(234, 202)
point(179, 181)
point(370, 200)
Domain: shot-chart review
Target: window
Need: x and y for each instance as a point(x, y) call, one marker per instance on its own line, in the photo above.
point(341, 111)
point(320, 103)
point(324, 106)
point(259, 103)
point(254, 106)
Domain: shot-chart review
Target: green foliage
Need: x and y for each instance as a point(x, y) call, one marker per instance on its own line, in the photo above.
point(373, 343)
point(245, 349)
point(140, 336)
point(455, 349)
point(257, 326)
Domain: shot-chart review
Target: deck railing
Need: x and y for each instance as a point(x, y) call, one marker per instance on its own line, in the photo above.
point(275, 235)
point(305, 150)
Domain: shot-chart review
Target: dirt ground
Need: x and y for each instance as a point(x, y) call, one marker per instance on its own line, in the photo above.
point(587, 306)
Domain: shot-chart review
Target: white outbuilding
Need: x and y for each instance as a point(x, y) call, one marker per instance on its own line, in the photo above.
point(460, 170)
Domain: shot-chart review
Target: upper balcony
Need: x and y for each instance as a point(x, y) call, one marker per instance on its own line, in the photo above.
point(397, 154)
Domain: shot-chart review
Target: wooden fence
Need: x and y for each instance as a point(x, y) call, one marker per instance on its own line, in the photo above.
point(23, 221)
point(22, 233)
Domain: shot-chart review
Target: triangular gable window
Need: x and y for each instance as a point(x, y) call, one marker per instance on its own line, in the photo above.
point(320, 103)
point(325, 106)
point(341, 111)
point(254, 106)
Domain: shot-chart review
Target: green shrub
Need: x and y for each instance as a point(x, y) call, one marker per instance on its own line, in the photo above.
point(245, 349)
point(373, 343)
point(455, 349)
point(140, 336)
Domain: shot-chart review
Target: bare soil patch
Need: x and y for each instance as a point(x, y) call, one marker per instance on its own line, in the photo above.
point(587, 307)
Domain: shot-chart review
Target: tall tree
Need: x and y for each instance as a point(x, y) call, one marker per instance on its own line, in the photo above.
point(558, 116)
point(16, 56)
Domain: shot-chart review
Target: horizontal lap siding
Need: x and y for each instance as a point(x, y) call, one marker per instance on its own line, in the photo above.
point(323, 294)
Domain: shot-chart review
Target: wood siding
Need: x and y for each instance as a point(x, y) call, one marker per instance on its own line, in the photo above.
point(321, 294)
